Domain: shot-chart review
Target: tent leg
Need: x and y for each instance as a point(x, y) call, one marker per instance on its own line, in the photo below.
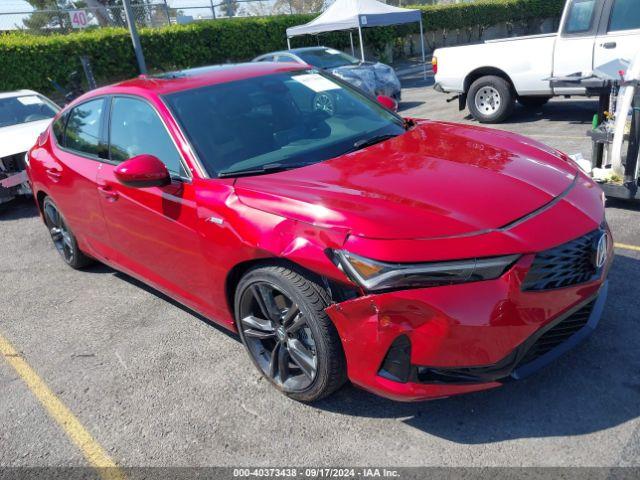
point(424, 58)
point(353, 50)
point(288, 43)
point(361, 43)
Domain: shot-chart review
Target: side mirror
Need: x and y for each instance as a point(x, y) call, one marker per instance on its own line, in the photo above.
point(142, 171)
point(388, 102)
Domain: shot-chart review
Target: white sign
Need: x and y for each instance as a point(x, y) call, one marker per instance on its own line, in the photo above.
point(78, 18)
point(316, 82)
point(30, 100)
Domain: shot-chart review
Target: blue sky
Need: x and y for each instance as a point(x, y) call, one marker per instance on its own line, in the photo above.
point(8, 21)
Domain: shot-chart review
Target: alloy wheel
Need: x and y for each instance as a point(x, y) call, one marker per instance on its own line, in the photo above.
point(323, 102)
point(278, 337)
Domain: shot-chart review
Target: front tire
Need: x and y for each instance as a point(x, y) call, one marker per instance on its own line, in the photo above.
point(62, 237)
point(280, 315)
point(491, 99)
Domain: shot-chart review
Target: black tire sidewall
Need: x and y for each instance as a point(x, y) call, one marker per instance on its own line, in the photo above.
point(79, 258)
point(507, 99)
point(270, 275)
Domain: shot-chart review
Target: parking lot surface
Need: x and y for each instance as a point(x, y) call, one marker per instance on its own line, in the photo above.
point(156, 385)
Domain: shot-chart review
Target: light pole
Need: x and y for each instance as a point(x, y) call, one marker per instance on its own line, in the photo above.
point(137, 47)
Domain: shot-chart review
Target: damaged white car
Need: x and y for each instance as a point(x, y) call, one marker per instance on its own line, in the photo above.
point(24, 114)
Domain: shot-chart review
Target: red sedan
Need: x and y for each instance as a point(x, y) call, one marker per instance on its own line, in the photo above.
point(417, 259)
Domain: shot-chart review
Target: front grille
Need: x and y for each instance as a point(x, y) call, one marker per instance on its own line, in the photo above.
point(559, 333)
point(569, 264)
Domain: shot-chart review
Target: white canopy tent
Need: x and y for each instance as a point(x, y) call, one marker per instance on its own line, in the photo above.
point(358, 14)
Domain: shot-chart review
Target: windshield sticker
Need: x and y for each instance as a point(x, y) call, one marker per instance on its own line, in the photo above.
point(331, 51)
point(30, 100)
point(316, 82)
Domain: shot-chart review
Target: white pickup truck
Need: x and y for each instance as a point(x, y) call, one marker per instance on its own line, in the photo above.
point(490, 77)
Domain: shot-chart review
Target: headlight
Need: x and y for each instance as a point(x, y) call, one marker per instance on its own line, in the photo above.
point(373, 275)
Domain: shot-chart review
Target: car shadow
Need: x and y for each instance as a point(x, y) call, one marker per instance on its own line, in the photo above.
point(101, 268)
point(408, 105)
point(17, 209)
point(417, 81)
point(574, 112)
point(622, 204)
point(594, 387)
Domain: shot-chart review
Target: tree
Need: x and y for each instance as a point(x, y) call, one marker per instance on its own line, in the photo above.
point(46, 15)
point(229, 8)
point(258, 9)
point(298, 6)
point(50, 14)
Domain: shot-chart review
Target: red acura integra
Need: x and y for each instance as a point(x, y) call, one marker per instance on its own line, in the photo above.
point(417, 259)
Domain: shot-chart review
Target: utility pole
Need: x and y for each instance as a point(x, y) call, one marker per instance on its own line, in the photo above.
point(137, 47)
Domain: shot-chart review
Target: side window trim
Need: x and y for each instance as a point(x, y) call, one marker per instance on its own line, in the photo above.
point(68, 113)
point(183, 162)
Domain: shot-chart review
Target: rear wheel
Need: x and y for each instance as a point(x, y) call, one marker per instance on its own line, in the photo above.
point(490, 99)
point(289, 337)
point(62, 237)
point(533, 102)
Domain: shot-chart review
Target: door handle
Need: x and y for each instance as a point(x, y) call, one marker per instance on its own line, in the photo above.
point(609, 45)
point(108, 193)
point(54, 174)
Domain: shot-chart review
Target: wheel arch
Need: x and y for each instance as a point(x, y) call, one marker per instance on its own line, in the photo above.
point(337, 292)
point(483, 72)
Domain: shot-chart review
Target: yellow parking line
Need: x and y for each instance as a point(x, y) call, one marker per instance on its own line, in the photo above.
point(624, 246)
point(91, 449)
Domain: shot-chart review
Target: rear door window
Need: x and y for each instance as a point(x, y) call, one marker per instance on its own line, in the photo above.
point(625, 15)
point(84, 128)
point(58, 128)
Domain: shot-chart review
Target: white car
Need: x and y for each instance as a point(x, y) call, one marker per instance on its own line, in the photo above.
point(490, 77)
point(24, 114)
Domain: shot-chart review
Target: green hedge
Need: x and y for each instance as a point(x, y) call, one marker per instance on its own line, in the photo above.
point(27, 61)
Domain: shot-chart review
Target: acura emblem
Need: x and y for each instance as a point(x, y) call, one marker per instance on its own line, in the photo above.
point(601, 251)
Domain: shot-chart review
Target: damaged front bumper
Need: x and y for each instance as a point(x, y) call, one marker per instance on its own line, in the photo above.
point(436, 342)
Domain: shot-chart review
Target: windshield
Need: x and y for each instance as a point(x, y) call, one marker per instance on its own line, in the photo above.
point(286, 119)
point(327, 58)
point(24, 109)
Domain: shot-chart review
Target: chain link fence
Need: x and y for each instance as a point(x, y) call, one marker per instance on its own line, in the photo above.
point(63, 16)
point(148, 13)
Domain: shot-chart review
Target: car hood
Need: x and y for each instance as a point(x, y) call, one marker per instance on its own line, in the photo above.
point(437, 180)
point(20, 138)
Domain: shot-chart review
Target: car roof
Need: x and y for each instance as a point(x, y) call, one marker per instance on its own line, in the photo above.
point(307, 49)
point(171, 82)
point(18, 93)
point(295, 50)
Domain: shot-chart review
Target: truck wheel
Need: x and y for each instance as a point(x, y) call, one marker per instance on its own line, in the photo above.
point(533, 102)
point(490, 99)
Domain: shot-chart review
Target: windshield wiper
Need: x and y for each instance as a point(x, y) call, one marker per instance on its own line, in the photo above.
point(268, 168)
point(368, 142)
